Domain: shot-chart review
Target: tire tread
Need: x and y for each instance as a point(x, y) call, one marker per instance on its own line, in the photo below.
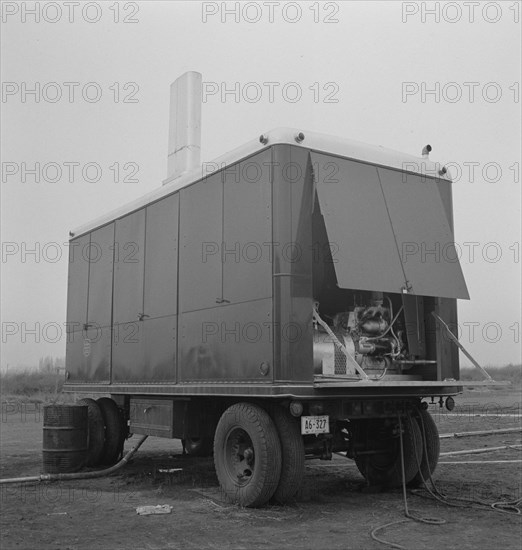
point(293, 454)
point(261, 429)
point(96, 431)
point(430, 443)
point(114, 437)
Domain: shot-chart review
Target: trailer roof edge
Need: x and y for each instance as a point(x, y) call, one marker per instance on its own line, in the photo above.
point(332, 145)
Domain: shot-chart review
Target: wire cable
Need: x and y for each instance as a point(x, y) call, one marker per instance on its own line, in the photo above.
point(507, 507)
point(410, 514)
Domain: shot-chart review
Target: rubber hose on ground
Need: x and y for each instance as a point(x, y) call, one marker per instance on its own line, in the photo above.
point(78, 475)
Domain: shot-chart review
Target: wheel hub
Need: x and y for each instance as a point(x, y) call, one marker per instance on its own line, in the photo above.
point(240, 456)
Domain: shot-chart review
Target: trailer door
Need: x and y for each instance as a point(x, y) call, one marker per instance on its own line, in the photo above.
point(128, 267)
point(387, 229)
point(363, 249)
point(160, 293)
point(78, 283)
point(201, 236)
point(99, 311)
point(129, 256)
point(424, 238)
point(90, 306)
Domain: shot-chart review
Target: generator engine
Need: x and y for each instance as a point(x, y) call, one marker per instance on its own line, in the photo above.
point(371, 334)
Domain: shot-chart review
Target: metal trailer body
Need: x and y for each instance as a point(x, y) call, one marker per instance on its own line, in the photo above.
point(201, 295)
point(207, 287)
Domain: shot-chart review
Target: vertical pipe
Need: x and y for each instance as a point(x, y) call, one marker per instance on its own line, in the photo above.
point(184, 152)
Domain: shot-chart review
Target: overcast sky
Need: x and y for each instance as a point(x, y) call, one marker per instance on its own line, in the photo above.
point(397, 74)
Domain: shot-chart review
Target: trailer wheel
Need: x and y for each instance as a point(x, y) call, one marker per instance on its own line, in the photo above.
point(293, 454)
point(381, 462)
point(114, 434)
point(430, 447)
point(96, 431)
point(247, 455)
point(198, 446)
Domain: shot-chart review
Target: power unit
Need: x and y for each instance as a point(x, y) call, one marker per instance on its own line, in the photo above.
point(291, 299)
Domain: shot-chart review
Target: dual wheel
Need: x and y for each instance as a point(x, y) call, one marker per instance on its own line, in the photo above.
point(380, 459)
point(106, 431)
point(258, 454)
point(198, 446)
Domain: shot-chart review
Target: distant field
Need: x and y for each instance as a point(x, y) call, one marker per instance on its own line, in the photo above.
point(511, 373)
point(41, 386)
point(31, 386)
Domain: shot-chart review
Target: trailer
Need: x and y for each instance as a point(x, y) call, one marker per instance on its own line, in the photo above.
point(292, 299)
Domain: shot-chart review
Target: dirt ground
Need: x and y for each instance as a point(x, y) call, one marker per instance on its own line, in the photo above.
point(334, 509)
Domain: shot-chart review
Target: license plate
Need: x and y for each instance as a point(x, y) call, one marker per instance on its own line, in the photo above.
point(315, 425)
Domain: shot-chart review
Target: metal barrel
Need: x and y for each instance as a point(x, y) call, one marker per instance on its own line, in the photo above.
point(65, 438)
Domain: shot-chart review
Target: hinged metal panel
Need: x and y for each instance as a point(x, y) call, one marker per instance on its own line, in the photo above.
point(100, 277)
point(161, 258)
point(424, 237)
point(128, 343)
point(228, 343)
point(388, 230)
point(201, 235)
point(247, 230)
point(89, 355)
point(78, 283)
point(364, 251)
point(128, 267)
point(145, 351)
point(152, 417)
point(160, 348)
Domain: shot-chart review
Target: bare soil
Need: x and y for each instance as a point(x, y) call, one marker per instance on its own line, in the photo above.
point(334, 509)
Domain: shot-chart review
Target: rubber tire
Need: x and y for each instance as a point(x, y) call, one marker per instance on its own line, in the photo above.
point(262, 432)
point(391, 476)
point(293, 454)
point(200, 446)
point(96, 432)
point(114, 434)
point(430, 447)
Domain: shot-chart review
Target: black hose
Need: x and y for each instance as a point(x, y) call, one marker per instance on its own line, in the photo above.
point(77, 475)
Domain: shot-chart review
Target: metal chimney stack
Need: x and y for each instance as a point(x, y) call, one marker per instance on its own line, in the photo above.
point(184, 152)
